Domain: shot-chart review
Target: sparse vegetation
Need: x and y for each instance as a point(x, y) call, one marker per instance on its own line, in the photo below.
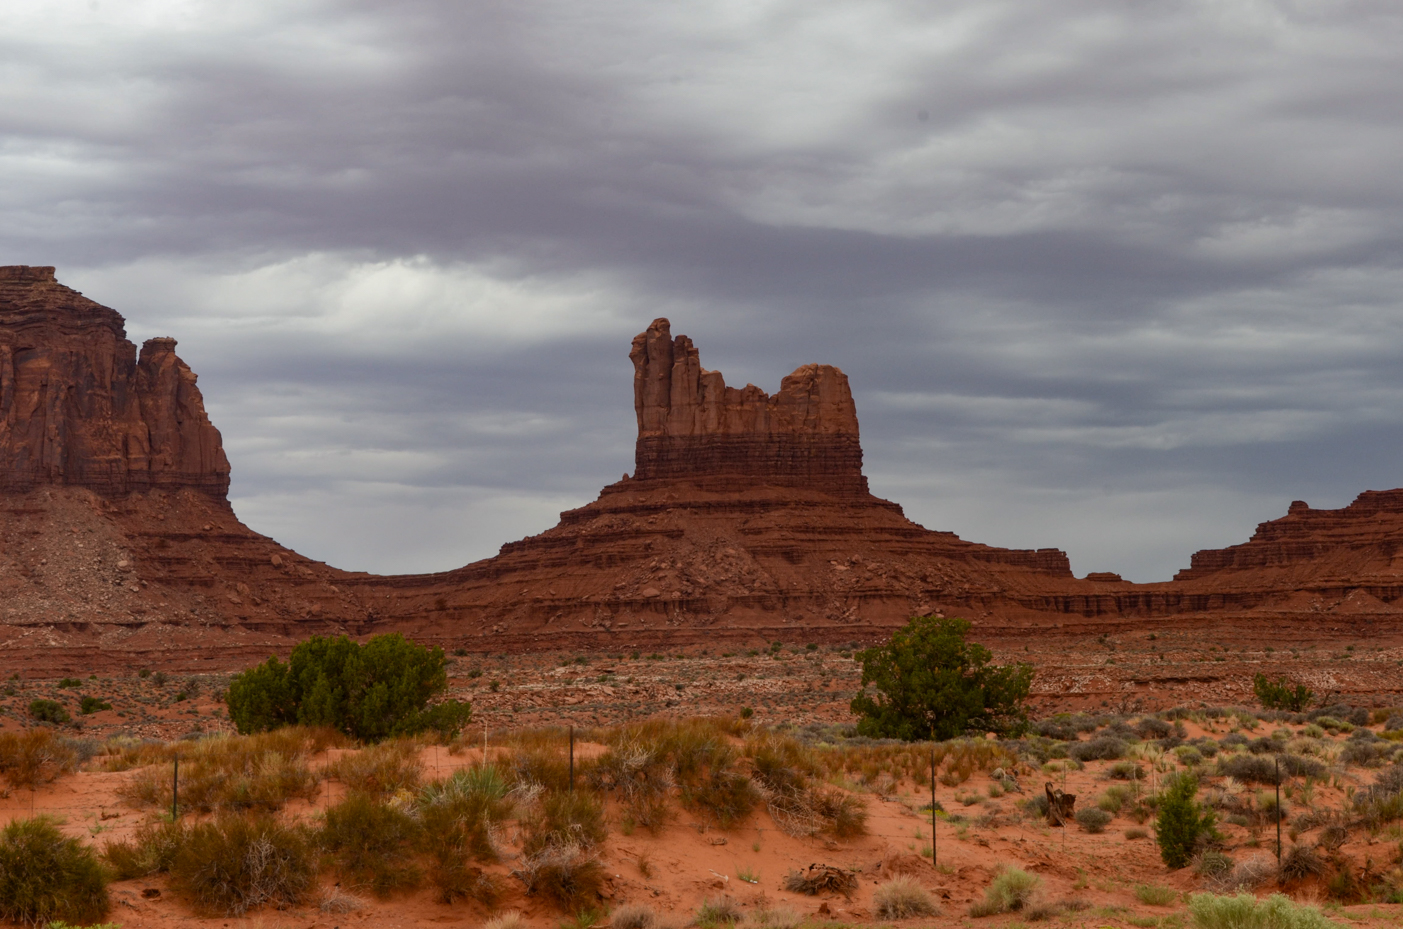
point(45, 876)
point(239, 863)
point(1245, 911)
point(369, 691)
point(1011, 890)
point(1282, 693)
point(931, 684)
point(901, 898)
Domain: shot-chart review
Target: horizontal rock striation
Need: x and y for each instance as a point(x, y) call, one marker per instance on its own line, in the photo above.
point(1373, 523)
point(79, 407)
point(692, 426)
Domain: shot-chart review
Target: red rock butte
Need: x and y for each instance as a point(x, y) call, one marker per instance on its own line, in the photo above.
point(747, 518)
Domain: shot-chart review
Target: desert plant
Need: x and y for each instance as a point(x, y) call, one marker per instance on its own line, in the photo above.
point(1181, 824)
point(368, 691)
point(369, 842)
point(779, 917)
point(35, 757)
point(1156, 894)
point(49, 711)
point(1093, 820)
point(1245, 911)
point(932, 684)
point(1106, 748)
point(901, 898)
point(1282, 693)
point(238, 863)
point(149, 851)
point(1300, 863)
point(45, 876)
point(569, 818)
point(260, 772)
point(633, 916)
point(508, 920)
point(566, 875)
point(92, 705)
point(380, 769)
point(718, 911)
point(1011, 890)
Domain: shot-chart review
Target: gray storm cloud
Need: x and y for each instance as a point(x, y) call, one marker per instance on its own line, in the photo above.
point(1119, 278)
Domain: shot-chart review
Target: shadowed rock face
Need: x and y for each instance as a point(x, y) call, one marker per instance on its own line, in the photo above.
point(692, 426)
point(79, 407)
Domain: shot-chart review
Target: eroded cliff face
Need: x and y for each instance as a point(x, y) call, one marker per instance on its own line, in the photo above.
point(692, 426)
point(79, 407)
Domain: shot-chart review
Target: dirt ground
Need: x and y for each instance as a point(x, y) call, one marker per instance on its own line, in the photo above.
point(984, 823)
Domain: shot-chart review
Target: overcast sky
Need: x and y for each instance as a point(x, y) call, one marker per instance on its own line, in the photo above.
point(1118, 277)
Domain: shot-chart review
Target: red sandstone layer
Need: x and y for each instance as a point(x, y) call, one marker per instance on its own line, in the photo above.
point(78, 407)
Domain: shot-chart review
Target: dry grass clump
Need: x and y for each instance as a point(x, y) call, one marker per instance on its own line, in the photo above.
point(568, 876)
point(234, 773)
point(458, 816)
point(149, 851)
point(1302, 862)
point(34, 757)
point(1248, 874)
point(785, 773)
point(1244, 911)
point(718, 911)
point(508, 920)
point(779, 917)
point(1156, 894)
point(239, 863)
point(47, 877)
point(338, 903)
point(371, 844)
point(633, 916)
point(381, 769)
point(901, 898)
point(1011, 890)
point(564, 819)
point(820, 878)
point(642, 774)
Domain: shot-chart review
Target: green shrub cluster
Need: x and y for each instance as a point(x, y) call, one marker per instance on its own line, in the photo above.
point(932, 684)
point(1181, 825)
point(369, 691)
point(1282, 693)
point(45, 876)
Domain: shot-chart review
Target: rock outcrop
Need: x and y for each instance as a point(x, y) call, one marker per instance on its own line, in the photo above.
point(79, 407)
point(691, 426)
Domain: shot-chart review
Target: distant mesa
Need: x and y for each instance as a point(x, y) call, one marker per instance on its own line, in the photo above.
point(79, 407)
point(747, 517)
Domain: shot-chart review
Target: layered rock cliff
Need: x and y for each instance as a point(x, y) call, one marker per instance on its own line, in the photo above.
point(692, 426)
point(79, 407)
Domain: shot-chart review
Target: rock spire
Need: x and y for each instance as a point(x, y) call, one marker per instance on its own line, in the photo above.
point(79, 407)
point(691, 425)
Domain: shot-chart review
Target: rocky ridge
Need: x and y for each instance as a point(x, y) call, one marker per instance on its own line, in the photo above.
point(747, 518)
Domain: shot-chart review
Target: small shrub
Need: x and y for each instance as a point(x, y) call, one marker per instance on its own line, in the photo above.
point(35, 757)
point(1126, 771)
point(68, 682)
point(1300, 863)
point(1245, 911)
point(508, 920)
point(92, 705)
point(380, 769)
point(369, 691)
point(151, 850)
point(236, 864)
point(1250, 769)
point(633, 916)
point(718, 911)
point(1213, 864)
point(565, 819)
point(901, 898)
point(1135, 832)
point(1156, 894)
point(1250, 874)
point(781, 917)
point(1181, 825)
point(567, 876)
point(1010, 891)
point(49, 711)
point(45, 876)
point(1105, 748)
point(369, 842)
point(1093, 820)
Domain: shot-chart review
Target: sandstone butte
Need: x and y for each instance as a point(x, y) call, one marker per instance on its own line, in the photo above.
point(747, 519)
